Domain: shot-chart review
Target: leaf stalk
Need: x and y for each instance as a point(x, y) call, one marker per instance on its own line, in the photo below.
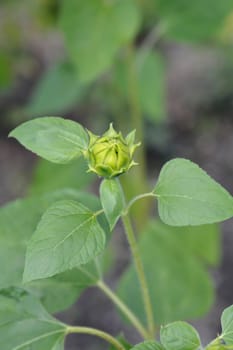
point(96, 332)
point(124, 309)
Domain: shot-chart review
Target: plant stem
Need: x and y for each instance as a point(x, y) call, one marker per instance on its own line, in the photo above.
point(136, 198)
point(124, 308)
point(97, 333)
point(140, 272)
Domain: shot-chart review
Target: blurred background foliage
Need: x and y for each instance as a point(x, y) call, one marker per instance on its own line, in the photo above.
point(164, 67)
point(75, 55)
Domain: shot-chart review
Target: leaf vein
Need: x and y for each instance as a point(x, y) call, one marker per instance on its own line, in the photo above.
point(29, 342)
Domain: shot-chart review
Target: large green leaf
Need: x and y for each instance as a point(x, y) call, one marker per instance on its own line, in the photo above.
point(188, 196)
point(148, 345)
point(50, 177)
point(95, 30)
point(25, 324)
point(58, 292)
point(179, 284)
point(227, 325)
point(55, 139)
point(67, 236)
point(57, 90)
point(196, 21)
point(179, 336)
point(112, 200)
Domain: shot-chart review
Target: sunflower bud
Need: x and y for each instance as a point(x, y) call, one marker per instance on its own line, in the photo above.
point(111, 155)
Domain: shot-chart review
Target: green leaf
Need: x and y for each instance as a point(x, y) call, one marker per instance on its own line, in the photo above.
point(198, 20)
point(148, 345)
point(188, 196)
point(179, 336)
point(67, 236)
point(152, 85)
point(50, 177)
point(112, 200)
point(61, 291)
point(179, 284)
point(55, 139)
point(57, 90)
point(227, 325)
point(25, 324)
point(97, 29)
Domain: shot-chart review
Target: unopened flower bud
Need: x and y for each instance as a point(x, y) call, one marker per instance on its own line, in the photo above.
point(111, 155)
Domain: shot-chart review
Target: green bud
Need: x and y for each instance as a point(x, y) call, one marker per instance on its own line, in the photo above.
point(111, 155)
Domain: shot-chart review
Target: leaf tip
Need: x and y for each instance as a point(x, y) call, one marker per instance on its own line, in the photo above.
point(12, 133)
point(27, 276)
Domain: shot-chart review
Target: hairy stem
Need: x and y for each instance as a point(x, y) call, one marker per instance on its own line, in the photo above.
point(140, 272)
point(97, 333)
point(124, 309)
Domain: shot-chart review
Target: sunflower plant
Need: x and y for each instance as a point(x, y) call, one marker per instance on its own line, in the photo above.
point(72, 235)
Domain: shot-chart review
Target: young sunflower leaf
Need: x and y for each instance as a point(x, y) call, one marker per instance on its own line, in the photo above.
point(188, 196)
point(179, 336)
point(55, 139)
point(112, 200)
point(67, 236)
